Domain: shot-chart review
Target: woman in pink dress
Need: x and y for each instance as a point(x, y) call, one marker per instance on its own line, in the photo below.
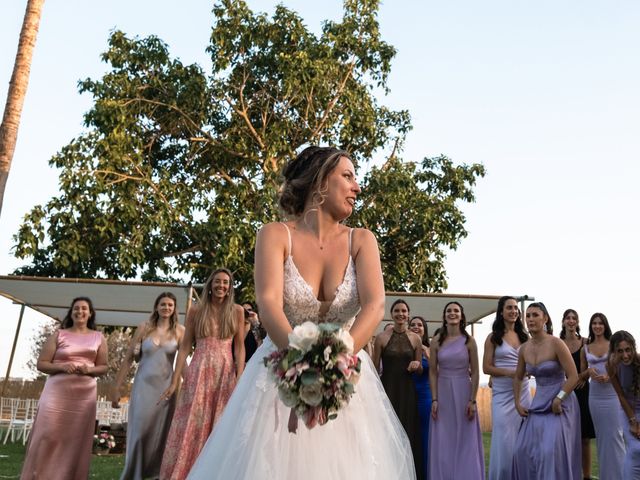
point(61, 440)
point(211, 375)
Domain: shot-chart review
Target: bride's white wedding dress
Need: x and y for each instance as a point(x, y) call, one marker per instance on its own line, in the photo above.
point(252, 441)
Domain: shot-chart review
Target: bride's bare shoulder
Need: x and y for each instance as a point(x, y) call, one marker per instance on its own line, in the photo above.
point(363, 238)
point(273, 231)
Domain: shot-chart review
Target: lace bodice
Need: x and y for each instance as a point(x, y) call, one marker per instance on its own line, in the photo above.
point(301, 305)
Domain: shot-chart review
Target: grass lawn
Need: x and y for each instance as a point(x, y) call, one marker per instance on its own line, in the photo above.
point(109, 467)
point(102, 467)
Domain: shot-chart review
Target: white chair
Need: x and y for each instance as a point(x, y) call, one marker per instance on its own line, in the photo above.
point(6, 410)
point(103, 412)
point(22, 416)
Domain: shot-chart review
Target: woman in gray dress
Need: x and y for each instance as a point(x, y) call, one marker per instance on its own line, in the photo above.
point(154, 345)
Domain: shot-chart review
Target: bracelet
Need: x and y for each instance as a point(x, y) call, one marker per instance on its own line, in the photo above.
point(434, 400)
point(473, 401)
point(561, 394)
point(633, 419)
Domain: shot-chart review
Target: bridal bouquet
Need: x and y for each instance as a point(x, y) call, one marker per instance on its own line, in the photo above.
point(316, 374)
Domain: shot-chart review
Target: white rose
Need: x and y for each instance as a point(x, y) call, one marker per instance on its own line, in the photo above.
point(304, 336)
point(345, 337)
point(311, 394)
point(327, 353)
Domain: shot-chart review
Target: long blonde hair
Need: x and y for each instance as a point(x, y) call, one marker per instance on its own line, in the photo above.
point(227, 322)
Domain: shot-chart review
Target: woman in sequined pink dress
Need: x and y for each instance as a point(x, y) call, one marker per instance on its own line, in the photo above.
point(211, 376)
point(61, 440)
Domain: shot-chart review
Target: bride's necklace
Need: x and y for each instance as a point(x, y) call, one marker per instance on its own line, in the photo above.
point(321, 243)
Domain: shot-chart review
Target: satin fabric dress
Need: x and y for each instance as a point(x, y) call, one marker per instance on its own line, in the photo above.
point(149, 420)
point(208, 384)
point(607, 416)
point(61, 440)
point(455, 442)
point(631, 466)
point(548, 446)
point(505, 419)
point(423, 394)
point(398, 384)
point(251, 441)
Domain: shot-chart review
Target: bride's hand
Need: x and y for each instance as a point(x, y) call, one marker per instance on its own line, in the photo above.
point(434, 409)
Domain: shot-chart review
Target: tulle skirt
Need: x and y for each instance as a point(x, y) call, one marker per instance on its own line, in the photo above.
point(252, 441)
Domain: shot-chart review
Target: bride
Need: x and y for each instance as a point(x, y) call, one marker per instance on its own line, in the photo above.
point(312, 268)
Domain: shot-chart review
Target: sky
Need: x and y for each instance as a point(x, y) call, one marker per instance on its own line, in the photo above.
point(544, 94)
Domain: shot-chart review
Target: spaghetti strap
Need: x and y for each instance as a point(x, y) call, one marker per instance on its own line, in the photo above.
point(350, 235)
point(288, 235)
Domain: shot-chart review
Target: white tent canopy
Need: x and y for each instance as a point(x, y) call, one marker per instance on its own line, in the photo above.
point(115, 302)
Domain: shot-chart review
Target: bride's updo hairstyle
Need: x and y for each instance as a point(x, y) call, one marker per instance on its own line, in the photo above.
point(305, 176)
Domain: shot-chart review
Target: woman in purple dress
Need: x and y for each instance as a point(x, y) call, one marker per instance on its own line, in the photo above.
point(500, 360)
point(603, 401)
point(624, 372)
point(455, 442)
point(548, 443)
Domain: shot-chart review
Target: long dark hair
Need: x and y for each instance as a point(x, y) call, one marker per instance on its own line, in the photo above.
point(624, 336)
point(425, 336)
point(67, 322)
point(605, 322)
point(463, 324)
point(498, 327)
point(563, 332)
point(155, 316)
point(548, 325)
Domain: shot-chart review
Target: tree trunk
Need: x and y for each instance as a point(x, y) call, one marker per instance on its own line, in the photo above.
point(17, 90)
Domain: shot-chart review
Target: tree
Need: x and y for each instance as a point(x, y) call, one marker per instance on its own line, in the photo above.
point(177, 170)
point(18, 90)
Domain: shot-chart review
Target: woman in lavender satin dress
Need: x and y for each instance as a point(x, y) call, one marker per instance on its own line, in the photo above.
point(624, 372)
point(455, 442)
point(500, 360)
point(61, 440)
point(548, 443)
point(603, 401)
point(149, 420)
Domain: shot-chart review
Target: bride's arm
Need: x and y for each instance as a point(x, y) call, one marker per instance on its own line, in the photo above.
point(370, 288)
point(269, 279)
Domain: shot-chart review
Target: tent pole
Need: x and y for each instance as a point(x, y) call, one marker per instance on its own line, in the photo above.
point(189, 295)
point(13, 349)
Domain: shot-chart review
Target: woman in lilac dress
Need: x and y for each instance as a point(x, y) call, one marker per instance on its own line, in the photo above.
point(60, 442)
point(624, 372)
point(500, 360)
point(418, 325)
point(455, 442)
point(548, 443)
point(603, 401)
point(154, 346)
